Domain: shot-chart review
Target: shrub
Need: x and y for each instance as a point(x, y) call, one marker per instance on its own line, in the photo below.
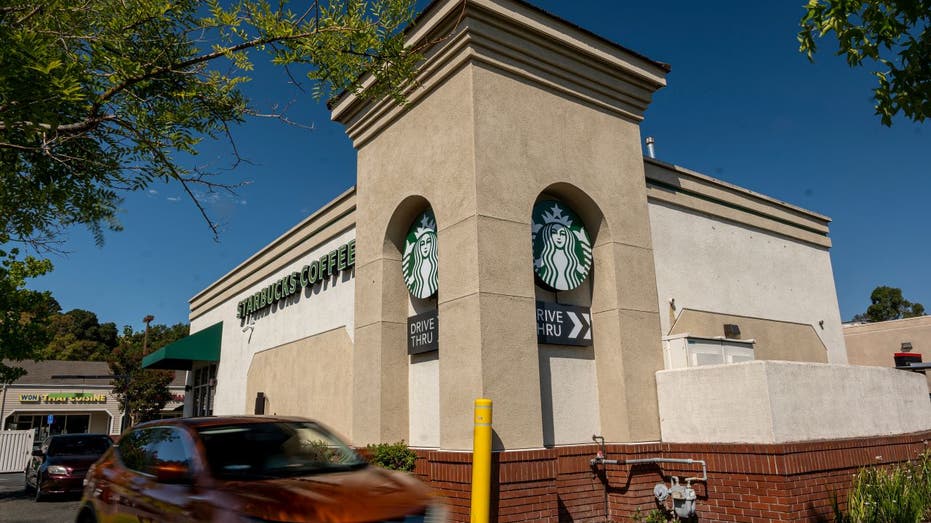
point(393, 456)
point(654, 516)
point(901, 493)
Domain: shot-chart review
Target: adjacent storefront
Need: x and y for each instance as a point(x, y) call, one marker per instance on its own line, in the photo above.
point(69, 397)
point(48, 400)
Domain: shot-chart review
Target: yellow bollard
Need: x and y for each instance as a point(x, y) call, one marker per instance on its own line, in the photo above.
point(481, 462)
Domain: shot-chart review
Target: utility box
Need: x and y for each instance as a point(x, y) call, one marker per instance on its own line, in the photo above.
point(906, 359)
point(684, 350)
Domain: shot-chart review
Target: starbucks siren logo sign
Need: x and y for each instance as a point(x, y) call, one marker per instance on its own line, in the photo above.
point(419, 263)
point(562, 253)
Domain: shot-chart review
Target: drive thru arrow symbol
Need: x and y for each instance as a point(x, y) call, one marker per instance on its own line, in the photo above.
point(576, 324)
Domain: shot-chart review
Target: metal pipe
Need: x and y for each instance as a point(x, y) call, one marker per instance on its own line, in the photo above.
point(651, 152)
point(2, 405)
point(686, 461)
point(603, 461)
point(600, 460)
point(601, 454)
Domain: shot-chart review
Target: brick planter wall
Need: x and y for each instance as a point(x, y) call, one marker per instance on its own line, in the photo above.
point(753, 483)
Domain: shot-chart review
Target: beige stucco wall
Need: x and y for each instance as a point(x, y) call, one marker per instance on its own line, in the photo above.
point(479, 150)
point(424, 393)
point(569, 392)
point(876, 343)
point(773, 340)
point(316, 309)
point(311, 377)
point(517, 126)
point(425, 154)
point(569, 380)
point(776, 402)
point(708, 264)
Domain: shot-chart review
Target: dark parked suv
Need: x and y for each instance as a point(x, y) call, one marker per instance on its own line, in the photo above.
point(60, 464)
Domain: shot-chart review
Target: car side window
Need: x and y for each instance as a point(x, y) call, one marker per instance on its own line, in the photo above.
point(131, 450)
point(145, 449)
point(170, 447)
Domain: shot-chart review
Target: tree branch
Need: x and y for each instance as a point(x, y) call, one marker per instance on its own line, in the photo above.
point(71, 128)
point(29, 15)
point(5, 145)
point(109, 93)
point(177, 175)
point(255, 42)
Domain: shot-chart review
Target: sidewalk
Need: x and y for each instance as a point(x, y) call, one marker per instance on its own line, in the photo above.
point(10, 482)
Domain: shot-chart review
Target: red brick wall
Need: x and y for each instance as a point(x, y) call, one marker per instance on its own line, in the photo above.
point(752, 483)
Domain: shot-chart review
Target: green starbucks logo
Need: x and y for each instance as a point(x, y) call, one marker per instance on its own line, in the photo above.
point(419, 263)
point(562, 253)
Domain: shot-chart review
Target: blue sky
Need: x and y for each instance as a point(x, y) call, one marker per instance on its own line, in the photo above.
point(741, 105)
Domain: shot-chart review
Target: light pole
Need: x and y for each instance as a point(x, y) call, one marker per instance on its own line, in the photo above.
point(145, 337)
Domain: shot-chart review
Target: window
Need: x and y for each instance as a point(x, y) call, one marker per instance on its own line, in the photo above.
point(682, 350)
point(131, 450)
point(203, 390)
point(61, 423)
point(144, 449)
point(276, 449)
point(79, 446)
point(77, 424)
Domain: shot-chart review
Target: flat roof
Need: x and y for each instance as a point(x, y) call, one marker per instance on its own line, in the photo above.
point(49, 372)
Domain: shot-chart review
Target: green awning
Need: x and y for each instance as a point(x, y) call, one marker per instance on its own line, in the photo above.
point(203, 345)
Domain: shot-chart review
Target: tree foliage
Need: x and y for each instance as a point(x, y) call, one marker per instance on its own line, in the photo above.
point(24, 313)
point(78, 335)
point(100, 97)
point(887, 303)
point(145, 390)
point(893, 34)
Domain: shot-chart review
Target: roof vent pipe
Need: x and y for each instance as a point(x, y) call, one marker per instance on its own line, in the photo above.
point(650, 151)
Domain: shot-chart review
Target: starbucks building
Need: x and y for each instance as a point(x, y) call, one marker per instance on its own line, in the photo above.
point(508, 239)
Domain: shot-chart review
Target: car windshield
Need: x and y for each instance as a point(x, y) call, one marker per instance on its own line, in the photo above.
point(79, 446)
point(274, 450)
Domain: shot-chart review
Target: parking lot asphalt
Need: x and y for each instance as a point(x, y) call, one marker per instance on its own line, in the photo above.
point(16, 506)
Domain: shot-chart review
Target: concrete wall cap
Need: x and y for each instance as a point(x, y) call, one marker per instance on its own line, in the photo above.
point(501, 33)
point(742, 191)
point(852, 329)
point(749, 341)
point(775, 364)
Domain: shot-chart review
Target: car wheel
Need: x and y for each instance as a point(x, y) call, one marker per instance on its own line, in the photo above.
point(26, 486)
point(39, 494)
point(86, 516)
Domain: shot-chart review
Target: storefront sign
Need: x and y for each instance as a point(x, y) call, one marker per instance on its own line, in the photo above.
point(562, 252)
point(423, 333)
point(419, 264)
point(63, 397)
point(559, 324)
point(329, 265)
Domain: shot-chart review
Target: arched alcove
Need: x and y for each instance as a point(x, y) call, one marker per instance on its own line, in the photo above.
point(569, 395)
point(423, 382)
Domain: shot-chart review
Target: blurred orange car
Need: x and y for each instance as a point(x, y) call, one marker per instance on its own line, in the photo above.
point(247, 469)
